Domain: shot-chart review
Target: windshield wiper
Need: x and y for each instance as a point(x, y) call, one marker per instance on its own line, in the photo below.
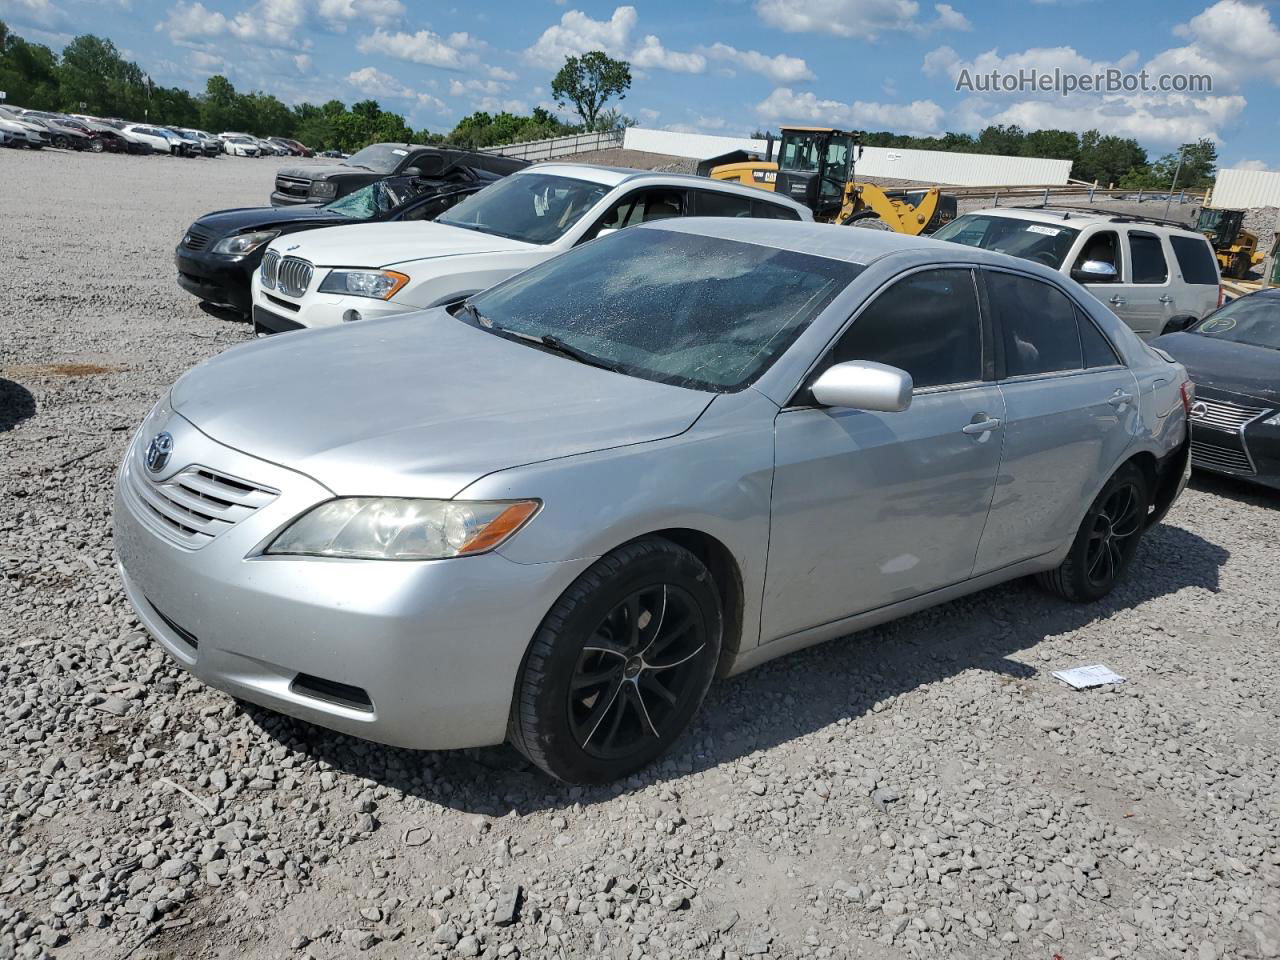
point(554, 344)
point(479, 318)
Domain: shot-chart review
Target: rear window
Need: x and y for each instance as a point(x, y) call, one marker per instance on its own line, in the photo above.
point(1195, 259)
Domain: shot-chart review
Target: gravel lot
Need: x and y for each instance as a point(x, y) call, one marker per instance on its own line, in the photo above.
point(924, 789)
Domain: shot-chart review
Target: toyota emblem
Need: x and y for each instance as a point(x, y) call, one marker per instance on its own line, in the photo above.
point(1199, 409)
point(158, 451)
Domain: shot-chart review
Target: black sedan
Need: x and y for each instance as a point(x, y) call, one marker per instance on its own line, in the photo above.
point(220, 251)
point(1233, 356)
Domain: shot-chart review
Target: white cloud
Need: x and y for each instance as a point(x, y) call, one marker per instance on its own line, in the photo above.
point(434, 104)
point(505, 76)
point(647, 114)
point(491, 88)
point(378, 13)
point(651, 53)
point(577, 33)
point(43, 13)
point(303, 62)
point(863, 19)
point(779, 69)
point(372, 82)
point(421, 47)
point(1248, 165)
point(785, 105)
point(270, 23)
point(193, 21)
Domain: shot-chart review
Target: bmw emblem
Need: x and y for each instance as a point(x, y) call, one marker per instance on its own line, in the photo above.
point(158, 451)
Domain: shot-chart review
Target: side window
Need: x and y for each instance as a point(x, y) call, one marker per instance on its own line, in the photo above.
point(1098, 351)
point(1037, 324)
point(926, 324)
point(1195, 259)
point(1103, 245)
point(763, 210)
point(641, 207)
point(1149, 265)
point(710, 203)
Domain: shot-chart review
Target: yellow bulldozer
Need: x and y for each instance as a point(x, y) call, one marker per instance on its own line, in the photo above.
point(1235, 247)
point(815, 167)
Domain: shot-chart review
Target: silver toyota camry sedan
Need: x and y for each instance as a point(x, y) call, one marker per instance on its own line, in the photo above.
point(553, 513)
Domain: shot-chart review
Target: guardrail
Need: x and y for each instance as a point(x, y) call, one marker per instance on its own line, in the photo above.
point(558, 146)
point(1049, 193)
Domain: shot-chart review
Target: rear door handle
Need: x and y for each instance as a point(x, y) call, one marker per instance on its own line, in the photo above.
point(980, 426)
point(1118, 300)
point(1166, 299)
point(1120, 398)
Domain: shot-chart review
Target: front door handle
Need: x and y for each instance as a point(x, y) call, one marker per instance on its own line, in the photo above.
point(1120, 398)
point(980, 426)
point(1166, 299)
point(1118, 300)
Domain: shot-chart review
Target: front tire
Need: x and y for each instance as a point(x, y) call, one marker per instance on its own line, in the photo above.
point(620, 664)
point(1106, 541)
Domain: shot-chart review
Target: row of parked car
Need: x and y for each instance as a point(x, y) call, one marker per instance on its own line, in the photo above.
point(37, 129)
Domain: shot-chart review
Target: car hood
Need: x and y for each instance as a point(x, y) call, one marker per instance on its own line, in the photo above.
point(419, 405)
point(324, 171)
point(1223, 365)
point(386, 244)
point(225, 222)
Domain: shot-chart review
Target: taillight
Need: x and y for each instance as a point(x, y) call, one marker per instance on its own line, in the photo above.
point(1222, 294)
point(1188, 395)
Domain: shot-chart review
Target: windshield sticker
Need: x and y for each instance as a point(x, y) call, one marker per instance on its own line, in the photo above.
point(400, 153)
point(1047, 231)
point(1218, 325)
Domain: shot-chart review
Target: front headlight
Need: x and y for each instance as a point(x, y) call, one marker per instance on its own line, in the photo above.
point(243, 243)
point(323, 188)
point(378, 284)
point(396, 528)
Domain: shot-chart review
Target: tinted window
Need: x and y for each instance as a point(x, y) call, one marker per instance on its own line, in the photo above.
point(1103, 247)
point(1148, 258)
point(680, 308)
point(642, 207)
point(772, 211)
point(1044, 243)
point(711, 204)
point(534, 207)
point(1037, 323)
point(1195, 259)
point(1098, 351)
point(926, 324)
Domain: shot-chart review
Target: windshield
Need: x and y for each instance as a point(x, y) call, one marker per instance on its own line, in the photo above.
point(380, 157)
point(1044, 243)
point(367, 201)
point(533, 208)
point(1252, 320)
point(679, 308)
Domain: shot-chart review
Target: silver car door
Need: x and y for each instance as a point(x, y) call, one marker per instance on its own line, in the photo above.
point(1071, 413)
point(869, 508)
point(1150, 293)
point(1105, 246)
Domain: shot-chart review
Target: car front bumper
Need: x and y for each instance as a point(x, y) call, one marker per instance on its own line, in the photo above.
point(315, 309)
point(412, 654)
point(1230, 436)
point(217, 278)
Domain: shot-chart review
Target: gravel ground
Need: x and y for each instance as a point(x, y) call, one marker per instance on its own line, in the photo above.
point(921, 790)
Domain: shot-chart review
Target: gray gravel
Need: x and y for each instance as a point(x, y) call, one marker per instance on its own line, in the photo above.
point(920, 790)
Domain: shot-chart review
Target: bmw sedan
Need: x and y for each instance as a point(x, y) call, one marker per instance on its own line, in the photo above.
point(553, 513)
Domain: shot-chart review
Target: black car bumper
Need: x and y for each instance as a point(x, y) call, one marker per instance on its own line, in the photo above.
point(217, 278)
point(265, 322)
point(1231, 435)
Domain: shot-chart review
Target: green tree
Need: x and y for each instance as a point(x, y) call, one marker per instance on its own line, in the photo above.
point(1108, 159)
point(589, 82)
point(28, 72)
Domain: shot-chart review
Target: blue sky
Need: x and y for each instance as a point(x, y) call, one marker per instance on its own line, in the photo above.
point(723, 66)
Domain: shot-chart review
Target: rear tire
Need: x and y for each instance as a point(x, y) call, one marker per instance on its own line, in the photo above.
point(1107, 539)
point(620, 664)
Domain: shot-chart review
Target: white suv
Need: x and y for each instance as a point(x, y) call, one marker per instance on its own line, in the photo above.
point(1156, 275)
point(325, 277)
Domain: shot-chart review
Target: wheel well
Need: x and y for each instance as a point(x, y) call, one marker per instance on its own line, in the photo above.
point(1146, 462)
point(720, 561)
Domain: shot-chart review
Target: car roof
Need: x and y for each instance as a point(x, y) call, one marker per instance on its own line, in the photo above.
point(1081, 218)
point(616, 176)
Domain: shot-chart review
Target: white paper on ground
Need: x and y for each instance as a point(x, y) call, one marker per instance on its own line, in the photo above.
point(1094, 675)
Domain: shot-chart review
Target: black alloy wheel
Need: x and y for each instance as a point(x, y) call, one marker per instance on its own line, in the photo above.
point(635, 670)
point(1115, 524)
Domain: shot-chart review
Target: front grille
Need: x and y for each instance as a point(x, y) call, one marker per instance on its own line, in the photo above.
point(1223, 414)
point(293, 186)
point(1220, 458)
point(197, 238)
point(196, 505)
point(270, 262)
point(293, 276)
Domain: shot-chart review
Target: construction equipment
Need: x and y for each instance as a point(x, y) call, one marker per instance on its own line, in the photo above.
point(815, 167)
point(1235, 247)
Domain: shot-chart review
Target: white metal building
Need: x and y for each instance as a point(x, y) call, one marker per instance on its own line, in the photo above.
point(927, 166)
point(1236, 189)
